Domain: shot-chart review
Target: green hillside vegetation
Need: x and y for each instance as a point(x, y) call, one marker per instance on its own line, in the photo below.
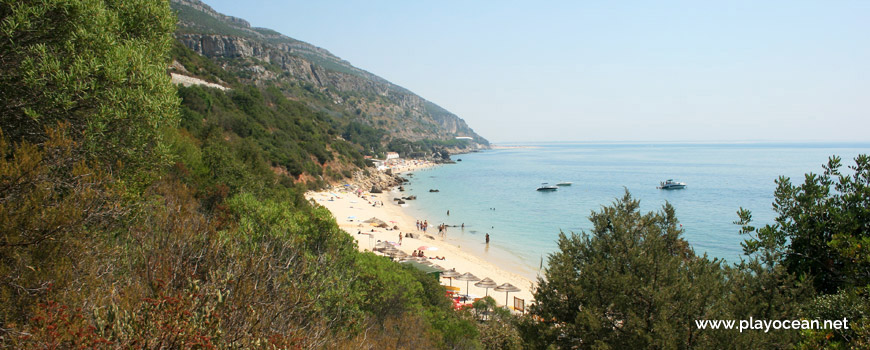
point(152, 218)
point(134, 214)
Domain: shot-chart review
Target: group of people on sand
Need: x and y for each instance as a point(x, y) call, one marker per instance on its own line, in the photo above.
point(419, 254)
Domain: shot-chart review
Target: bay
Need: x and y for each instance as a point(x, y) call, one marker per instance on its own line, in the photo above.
point(494, 191)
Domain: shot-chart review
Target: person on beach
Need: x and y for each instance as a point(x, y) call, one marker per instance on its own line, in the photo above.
point(487, 238)
point(448, 212)
point(400, 238)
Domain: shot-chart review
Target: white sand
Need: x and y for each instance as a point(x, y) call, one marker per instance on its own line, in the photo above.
point(344, 204)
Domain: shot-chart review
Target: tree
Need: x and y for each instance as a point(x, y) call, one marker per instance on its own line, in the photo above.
point(100, 66)
point(83, 99)
point(497, 326)
point(822, 228)
point(632, 283)
point(820, 237)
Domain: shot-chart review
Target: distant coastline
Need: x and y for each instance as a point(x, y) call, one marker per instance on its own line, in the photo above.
point(512, 146)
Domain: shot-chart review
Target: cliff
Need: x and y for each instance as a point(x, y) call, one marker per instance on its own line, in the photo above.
point(263, 56)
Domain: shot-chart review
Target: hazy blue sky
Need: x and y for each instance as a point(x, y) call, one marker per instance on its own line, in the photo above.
point(608, 70)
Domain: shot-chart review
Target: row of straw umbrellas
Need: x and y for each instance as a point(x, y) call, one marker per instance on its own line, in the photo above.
point(452, 274)
point(485, 283)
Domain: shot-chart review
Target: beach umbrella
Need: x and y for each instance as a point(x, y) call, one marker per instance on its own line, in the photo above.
point(375, 221)
point(390, 250)
point(506, 288)
point(381, 246)
point(450, 274)
point(439, 267)
point(398, 253)
point(426, 262)
point(467, 277)
point(486, 283)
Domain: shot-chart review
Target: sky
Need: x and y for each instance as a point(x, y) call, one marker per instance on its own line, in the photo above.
point(518, 71)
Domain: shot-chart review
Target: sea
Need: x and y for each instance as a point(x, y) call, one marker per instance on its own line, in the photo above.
point(494, 192)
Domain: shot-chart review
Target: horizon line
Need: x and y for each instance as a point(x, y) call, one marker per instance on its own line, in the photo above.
point(867, 142)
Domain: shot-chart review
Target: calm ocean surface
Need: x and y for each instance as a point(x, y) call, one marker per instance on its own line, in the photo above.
point(525, 223)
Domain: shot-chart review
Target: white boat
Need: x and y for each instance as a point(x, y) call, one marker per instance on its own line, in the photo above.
point(564, 183)
point(671, 185)
point(545, 187)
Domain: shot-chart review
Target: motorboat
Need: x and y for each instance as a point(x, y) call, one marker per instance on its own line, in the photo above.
point(671, 185)
point(545, 187)
point(564, 183)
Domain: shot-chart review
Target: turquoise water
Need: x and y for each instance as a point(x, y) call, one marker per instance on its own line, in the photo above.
point(494, 191)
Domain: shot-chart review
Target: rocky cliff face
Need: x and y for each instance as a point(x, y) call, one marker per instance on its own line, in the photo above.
point(264, 55)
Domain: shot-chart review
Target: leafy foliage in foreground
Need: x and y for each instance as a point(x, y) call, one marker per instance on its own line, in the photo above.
point(121, 230)
point(634, 282)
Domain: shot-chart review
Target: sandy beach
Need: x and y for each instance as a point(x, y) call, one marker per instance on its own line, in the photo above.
point(351, 208)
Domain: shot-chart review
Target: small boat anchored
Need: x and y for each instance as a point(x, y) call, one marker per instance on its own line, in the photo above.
point(672, 185)
point(564, 183)
point(545, 187)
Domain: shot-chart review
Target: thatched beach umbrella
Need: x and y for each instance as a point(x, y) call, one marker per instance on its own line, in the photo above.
point(375, 221)
point(382, 246)
point(451, 274)
point(486, 283)
point(467, 277)
point(390, 251)
point(506, 288)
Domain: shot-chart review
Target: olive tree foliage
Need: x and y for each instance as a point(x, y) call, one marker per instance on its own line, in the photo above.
point(83, 99)
point(632, 282)
point(98, 65)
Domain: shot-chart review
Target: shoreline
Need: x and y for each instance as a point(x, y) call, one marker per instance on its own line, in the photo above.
point(352, 207)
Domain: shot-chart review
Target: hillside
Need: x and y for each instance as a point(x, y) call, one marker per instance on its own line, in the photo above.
point(311, 74)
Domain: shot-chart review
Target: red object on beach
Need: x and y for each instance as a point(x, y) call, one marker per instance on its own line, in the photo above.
point(423, 247)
